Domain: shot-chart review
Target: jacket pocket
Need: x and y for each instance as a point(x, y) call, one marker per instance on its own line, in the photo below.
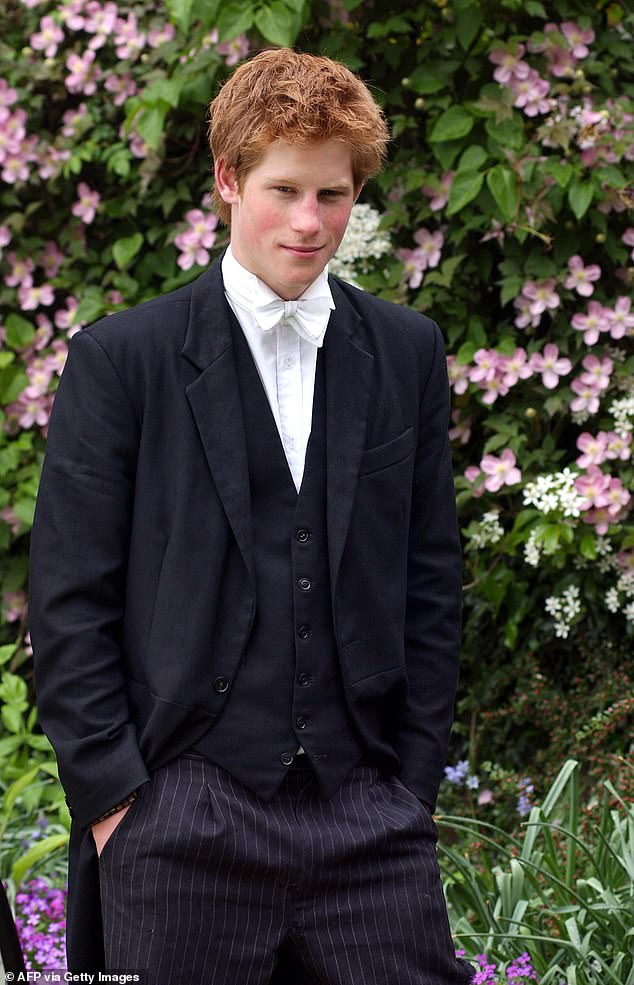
point(390, 453)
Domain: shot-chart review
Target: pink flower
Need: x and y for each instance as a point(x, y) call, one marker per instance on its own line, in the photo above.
point(594, 449)
point(57, 358)
point(191, 250)
point(550, 365)
point(458, 375)
point(430, 245)
point(84, 75)
point(439, 192)
point(618, 445)
point(561, 62)
point(21, 269)
point(593, 486)
point(51, 259)
point(577, 38)
point(50, 36)
point(51, 160)
point(234, 50)
point(486, 361)
point(461, 431)
point(620, 321)
point(100, 22)
point(515, 367)
point(494, 388)
point(160, 35)
point(32, 410)
point(580, 278)
point(617, 496)
point(71, 14)
point(39, 376)
point(598, 372)
point(64, 316)
point(32, 297)
point(500, 471)
point(509, 65)
point(628, 239)
point(472, 472)
point(5, 237)
point(525, 318)
point(129, 40)
point(530, 94)
point(122, 85)
point(72, 118)
point(8, 96)
point(542, 295)
point(592, 323)
point(15, 169)
point(414, 265)
point(86, 206)
point(587, 399)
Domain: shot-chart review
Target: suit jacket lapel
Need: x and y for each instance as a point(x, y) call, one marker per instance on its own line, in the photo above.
point(348, 386)
point(214, 398)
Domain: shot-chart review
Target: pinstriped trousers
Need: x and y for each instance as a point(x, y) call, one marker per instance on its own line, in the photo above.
point(204, 882)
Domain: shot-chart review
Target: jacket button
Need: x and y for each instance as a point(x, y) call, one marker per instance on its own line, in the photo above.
point(287, 758)
point(221, 684)
point(303, 679)
point(303, 632)
point(304, 584)
point(303, 535)
point(302, 721)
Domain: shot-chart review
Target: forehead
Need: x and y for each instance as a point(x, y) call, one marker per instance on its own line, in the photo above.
point(326, 161)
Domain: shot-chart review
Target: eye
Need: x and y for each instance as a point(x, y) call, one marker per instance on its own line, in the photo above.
point(283, 188)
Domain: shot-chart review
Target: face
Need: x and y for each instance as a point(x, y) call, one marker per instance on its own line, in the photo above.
point(290, 215)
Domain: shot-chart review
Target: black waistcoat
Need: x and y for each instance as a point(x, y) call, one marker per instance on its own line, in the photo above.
point(288, 689)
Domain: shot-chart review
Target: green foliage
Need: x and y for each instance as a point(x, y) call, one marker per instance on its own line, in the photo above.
point(562, 889)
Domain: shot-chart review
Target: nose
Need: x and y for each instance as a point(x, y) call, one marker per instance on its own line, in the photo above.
point(305, 218)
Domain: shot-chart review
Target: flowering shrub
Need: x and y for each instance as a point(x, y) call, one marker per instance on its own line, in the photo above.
point(41, 924)
point(502, 213)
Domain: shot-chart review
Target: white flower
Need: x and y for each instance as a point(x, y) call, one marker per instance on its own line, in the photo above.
point(623, 413)
point(554, 492)
point(489, 531)
point(564, 609)
point(532, 554)
point(612, 601)
point(362, 242)
point(628, 611)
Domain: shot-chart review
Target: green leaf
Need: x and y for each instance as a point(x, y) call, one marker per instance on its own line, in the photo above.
point(464, 189)
point(508, 132)
point(19, 332)
point(276, 23)
point(12, 718)
point(467, 26)
point(179, 13)
point(124, 250)
point(163, 90)
point(453, 124)
point(502, 183)
point(465, 353)
point(234, 19)
point(431, 77)
point(40, 850)
point(6, 652)
point(472, 159)
point(588, 545)
point(13, 792)
point(91, 306)
point(580, 194)
point(562, 173)
point(205, 11)
point(149, 124)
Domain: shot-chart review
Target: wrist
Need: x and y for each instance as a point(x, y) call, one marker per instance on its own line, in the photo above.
point(118, 807)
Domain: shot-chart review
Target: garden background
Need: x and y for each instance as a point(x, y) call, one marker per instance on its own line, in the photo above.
point(505, 213)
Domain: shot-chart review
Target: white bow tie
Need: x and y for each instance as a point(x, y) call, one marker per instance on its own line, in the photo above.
point(308, 316)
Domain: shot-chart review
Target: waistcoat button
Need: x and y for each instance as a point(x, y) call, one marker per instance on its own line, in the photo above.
point(304, 584)
point(303, 632)
point(303, 679)
point(287, 758)
point(301, 721)
point(302, 535)
point(221, 684)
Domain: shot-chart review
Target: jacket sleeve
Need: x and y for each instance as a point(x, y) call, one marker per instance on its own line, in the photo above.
point(434, 592)
point(79, 552)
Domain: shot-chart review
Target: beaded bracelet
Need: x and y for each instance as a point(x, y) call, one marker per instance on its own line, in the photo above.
point(119, 807)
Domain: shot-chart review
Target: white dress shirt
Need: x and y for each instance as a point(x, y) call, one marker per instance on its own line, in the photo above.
point(285, 361)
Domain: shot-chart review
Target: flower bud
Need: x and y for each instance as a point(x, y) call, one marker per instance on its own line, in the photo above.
point(405, 82)
point(530, 412)
point(600, 238)
point(420, 103)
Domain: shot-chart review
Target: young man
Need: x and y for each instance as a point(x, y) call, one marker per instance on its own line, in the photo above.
point(245, 586)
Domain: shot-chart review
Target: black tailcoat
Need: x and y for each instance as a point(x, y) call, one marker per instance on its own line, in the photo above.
point(142, 590)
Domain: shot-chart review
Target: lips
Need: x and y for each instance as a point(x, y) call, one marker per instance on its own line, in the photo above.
point(308, 250)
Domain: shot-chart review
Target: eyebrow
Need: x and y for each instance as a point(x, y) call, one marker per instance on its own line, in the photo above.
point(339, 186)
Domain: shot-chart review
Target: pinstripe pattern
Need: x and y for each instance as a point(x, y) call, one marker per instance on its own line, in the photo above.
point(202, 881)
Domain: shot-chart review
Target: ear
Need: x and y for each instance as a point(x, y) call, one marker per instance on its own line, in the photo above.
point(226, 182)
